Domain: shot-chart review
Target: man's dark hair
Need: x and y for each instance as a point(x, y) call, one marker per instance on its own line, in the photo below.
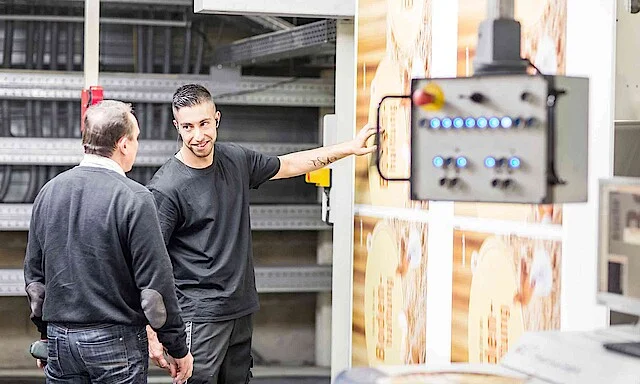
point(190, 95)
point(105, 124)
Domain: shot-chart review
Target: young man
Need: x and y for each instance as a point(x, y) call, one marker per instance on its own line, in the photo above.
point(202, 196)
point(96, 269)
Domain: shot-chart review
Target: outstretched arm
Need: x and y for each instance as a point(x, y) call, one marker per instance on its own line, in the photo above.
point(299, 163)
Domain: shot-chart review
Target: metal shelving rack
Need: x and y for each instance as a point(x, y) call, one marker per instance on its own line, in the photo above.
point(15, 217)
point(159, 88)
point(61, 151)
point(308, 278)
point(38, 89)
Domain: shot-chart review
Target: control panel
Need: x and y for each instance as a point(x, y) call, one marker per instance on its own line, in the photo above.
point(499, 138)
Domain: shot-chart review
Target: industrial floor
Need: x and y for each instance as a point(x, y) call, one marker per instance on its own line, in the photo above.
point(262, 375)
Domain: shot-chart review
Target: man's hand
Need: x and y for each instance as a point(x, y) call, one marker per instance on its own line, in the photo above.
point(40, 364)
point(184, 369)
point(359, 143)
point(156, 351)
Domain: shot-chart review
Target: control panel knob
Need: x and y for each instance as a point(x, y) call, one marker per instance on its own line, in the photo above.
point(507, 183)
point(495, 183)
point(443, 181)
point(453, 182)
point(477, 97)
point(526, 96)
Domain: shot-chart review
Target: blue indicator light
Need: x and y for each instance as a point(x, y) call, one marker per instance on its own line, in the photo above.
point(458, 122)
point(490, 162)
point(482, 122)
point(435, 123)
point(438, 161)
point(494, 122)
point(514, 162)
point(506, 122)
point(470, 122)
point(446, 123)
point(517, 121)
point(461, 162)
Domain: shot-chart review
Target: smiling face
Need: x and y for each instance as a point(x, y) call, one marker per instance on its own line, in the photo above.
point(198, 127)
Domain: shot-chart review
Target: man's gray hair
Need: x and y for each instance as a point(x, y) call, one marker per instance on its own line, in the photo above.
point(105, 124)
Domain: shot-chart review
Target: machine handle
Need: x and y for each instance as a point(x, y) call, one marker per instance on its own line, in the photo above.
point(378, 137)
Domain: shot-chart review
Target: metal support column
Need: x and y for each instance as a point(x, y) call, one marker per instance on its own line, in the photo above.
point(323, 304)
point(500, 9)
point(343, 183)
point(325, 244)
point(91, 42)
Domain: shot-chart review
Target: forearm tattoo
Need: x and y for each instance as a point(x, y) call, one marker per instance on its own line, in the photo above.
point(323, 161)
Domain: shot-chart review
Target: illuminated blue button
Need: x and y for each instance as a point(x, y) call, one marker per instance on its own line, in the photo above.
point(461, 162)
point(482, 122)
point(490, 162)
point(506, 122)
point(446, 123)
point(470, 122)
point(494, 122)
point(438, 161)
point(435, 123)
point(514, 162)
point(458, 122)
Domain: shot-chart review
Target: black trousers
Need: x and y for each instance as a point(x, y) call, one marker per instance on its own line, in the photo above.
point(221, 351)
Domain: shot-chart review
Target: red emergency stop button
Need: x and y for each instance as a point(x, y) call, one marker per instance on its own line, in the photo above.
point(428, 97)
point(420, 97)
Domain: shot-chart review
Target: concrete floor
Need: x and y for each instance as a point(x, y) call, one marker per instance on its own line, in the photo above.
point(262, 375)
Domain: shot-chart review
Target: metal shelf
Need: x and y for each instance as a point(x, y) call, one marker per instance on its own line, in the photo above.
point(306, 278)
point(53, 151)
point(157, 88)
point(311, 39)
point(287, 217)
point(15, 217)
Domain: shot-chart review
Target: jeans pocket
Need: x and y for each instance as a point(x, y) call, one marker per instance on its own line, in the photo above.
point(53, 358)
point(105, 360)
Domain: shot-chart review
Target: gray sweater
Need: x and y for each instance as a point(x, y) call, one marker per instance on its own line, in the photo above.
point(96, 255)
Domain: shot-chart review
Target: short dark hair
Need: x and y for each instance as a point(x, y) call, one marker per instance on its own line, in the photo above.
point(190, 95)
point(104, 124)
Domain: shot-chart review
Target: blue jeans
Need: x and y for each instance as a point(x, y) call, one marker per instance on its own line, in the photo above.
point(101, 354)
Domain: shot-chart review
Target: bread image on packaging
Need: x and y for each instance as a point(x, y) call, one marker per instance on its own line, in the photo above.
point(392, 287)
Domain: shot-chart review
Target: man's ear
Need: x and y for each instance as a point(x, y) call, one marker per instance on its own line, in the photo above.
point(175, 124)
point(121, 145)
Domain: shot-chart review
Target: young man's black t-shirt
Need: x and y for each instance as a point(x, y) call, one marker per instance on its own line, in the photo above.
point(204, 215)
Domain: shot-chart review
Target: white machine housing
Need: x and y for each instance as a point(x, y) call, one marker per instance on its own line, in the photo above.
point(509, 138)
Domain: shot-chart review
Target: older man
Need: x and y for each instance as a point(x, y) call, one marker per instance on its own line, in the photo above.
point(97, 270)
